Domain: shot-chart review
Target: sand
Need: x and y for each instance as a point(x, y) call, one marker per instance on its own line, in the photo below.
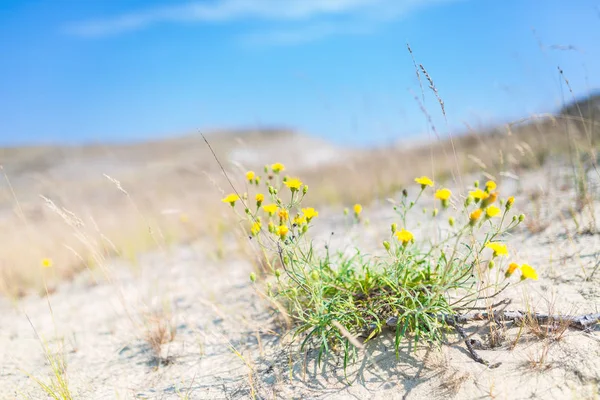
point(228, 343)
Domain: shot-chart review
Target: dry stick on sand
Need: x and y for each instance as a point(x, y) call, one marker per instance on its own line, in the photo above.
point(583, 322)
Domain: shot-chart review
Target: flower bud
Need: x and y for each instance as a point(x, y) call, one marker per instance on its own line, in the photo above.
point(314, 275)
point(252, 277)
point(491, 264)
point(394, 227)
point(277, 273)
point(476, 184)
point(404, 192)
point(468, 201)
point(451, 221)
point(435, 212)
point(305, 189)
point(521, 217)
point(386, 244)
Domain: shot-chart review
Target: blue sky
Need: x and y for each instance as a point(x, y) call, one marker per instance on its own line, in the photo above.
point(107, 70)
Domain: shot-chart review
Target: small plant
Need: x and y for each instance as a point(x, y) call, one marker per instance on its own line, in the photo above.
point(160, 330)
point(417, 288)
point(57, 387)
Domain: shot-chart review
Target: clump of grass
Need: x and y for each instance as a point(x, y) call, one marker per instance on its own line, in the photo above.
point(538, 360)
point(333, 297)
point(159, 330)
point(57, 387)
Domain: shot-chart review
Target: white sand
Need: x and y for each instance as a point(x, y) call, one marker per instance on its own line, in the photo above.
point(215, 309)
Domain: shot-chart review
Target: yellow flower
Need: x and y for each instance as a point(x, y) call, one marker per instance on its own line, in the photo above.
point(250, 176)
point(489, 186)
point(310, 213)
point(270, 209)
point(357, 209)
point(528, 272)
point(492, 211)
point(278, 167)
point(231, 199)
point(509, 202)
point(479, 194)
point(259, 199)
point(424, 181)
point(299, 220)
point(499, 249)
point(443, 194)
point(46, 263)
point(183, 217)
point(293, 183)
point(475, 215)
point(512, 267)
point(282, 230)
point(284, 215)
point(255, 228)
point(489, 200)
point(404, 236)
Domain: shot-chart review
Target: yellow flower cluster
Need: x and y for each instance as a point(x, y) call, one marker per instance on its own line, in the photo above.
point(277, 210)
point(281, 212)
point(485, 199)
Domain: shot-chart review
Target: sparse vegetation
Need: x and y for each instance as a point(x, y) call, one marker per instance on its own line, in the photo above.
point(57, 385)
point(160, 329)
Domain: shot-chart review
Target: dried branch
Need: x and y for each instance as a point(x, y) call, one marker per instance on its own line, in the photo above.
point(469, 343)
point(583, 322)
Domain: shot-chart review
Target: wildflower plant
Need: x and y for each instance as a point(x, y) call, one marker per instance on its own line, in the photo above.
point(416, 287)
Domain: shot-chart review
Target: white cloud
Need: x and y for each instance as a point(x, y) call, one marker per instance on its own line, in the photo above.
point(268, 10)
